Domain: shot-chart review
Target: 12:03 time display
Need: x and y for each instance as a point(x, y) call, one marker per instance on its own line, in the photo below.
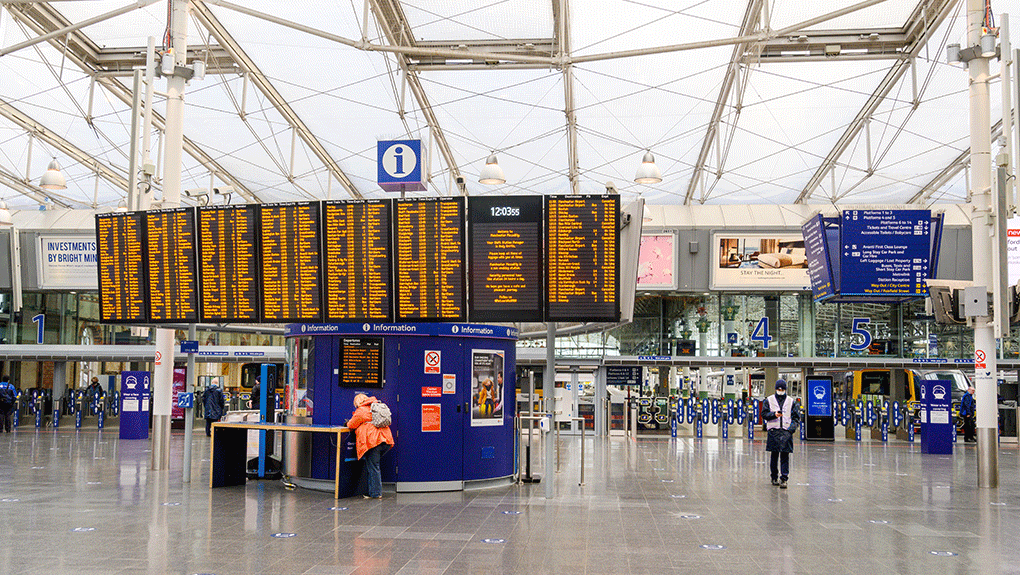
point(505, 211)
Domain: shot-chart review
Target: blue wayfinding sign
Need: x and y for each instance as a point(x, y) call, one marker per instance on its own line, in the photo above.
point(189, 346)
point(820, 264)
point(885, 252)
point(819, 401)
point(400, 166)
point(134, 404)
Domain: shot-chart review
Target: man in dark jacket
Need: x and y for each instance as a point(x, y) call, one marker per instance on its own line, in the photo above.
point(782, 416)
point(8, 395)
point(967, 412)
point(214, 405)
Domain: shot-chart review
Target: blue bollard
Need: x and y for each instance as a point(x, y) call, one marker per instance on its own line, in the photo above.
point(56, 417)
point(77, 419)
point(725, 428)
point(697, 428)
point(102, 418)
point(38, 418)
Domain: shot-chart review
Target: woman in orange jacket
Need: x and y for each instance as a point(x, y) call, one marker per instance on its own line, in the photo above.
point(372, 443)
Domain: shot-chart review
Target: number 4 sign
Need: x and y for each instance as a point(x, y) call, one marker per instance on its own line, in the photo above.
point(761, 332)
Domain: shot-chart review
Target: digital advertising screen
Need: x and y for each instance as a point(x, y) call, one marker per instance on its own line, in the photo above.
point(582, 258)
point(172, 280)
point(290, 262)
point(506, 258)
point(120, 245)
point(228, 263)
point(429, 259)
point(356, 260)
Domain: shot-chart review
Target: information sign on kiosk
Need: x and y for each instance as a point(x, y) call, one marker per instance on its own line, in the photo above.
point(819, 424)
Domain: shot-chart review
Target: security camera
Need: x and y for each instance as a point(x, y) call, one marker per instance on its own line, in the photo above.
point(223, 190)
point(196, 192)
point(611, 188)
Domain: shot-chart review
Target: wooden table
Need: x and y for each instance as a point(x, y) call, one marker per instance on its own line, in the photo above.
point(228, 456)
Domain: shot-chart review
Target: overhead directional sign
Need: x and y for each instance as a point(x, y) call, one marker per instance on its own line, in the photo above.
point(885, 252)
point(623, 375)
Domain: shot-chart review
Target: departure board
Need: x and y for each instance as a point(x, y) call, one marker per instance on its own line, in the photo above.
point(172, 283)
point(120, 241)
point(361, 362)
point(505, 235)
point(429, 259)
point(290, 262)
point(582, 258)
point(228, 263)
point(356, 260)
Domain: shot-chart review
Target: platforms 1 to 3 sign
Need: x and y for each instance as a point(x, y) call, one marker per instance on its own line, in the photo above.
point(418, 259)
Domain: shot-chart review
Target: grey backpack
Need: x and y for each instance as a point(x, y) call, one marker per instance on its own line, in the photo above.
point(381, 416)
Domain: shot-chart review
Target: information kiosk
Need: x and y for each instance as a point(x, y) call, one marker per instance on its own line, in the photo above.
point(450, 387)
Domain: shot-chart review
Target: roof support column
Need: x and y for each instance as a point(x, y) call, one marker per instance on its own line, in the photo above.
point(573, 169)
point(173, 150)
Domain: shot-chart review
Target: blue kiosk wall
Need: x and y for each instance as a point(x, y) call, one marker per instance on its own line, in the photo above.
point(471, 444)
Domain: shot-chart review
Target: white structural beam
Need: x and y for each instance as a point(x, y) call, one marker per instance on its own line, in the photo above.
point(76, 26)
point(497, 58)
point(83, 53)
point(398, 33)
point(73, 152)
point(255, 75)
point(752, 17)
point(925, 19)
point(561, 12)
point(958, 164)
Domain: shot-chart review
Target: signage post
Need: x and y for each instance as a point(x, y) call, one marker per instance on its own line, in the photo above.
point(819, 423)
point(937, 428)
point(134, 405)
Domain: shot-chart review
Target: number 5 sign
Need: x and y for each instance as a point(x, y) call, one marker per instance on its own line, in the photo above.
point(860, 338)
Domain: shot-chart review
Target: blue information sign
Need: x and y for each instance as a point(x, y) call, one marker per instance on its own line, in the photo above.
point(819, 403)
point(885, 252)
point(937, 427)
point(400, 166)
point(189, 346)
point(134, 404)
point(820, 268)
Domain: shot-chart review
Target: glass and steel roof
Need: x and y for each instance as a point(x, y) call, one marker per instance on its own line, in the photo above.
point(740, 101)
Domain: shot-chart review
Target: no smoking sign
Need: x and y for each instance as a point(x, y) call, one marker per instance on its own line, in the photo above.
point(433, 360)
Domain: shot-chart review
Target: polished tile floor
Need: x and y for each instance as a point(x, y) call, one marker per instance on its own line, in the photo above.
point(85, 502)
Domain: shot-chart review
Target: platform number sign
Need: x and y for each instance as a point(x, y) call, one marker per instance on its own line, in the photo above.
point(400, 166)
point(860, 337)
point(761, 333)
point(40, 327)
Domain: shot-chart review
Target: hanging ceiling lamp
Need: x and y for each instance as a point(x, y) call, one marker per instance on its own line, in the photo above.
point(53, 179)
point(492, 174)
point(648, 172)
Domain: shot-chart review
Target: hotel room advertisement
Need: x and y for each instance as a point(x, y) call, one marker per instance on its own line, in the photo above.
point(759, 262)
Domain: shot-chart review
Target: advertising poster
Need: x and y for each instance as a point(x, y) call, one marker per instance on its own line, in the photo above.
point(486, 387)
point(180, 385)
point(1013, 250)
point(759, 262)
point(656, 260)
point(68, 262)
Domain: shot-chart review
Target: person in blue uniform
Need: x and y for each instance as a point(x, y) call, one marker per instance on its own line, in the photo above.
point(967, 411)
point(782, 416)
point(8, 395)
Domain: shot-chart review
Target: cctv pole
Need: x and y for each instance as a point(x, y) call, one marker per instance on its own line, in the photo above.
point(162, 380)
point(982, 228)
